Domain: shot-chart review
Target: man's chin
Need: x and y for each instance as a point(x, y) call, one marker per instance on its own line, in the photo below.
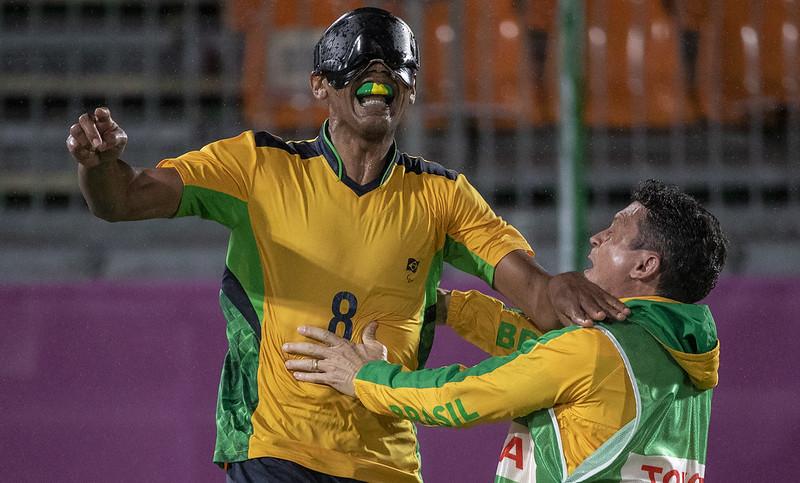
point(376, 128)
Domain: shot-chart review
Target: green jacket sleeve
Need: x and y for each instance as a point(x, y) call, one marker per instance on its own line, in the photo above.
point(557, 368)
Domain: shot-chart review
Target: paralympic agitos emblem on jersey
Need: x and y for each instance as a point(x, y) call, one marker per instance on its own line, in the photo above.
point(411, 267)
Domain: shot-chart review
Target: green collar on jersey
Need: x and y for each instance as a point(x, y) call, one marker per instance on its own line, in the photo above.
point(338, 166)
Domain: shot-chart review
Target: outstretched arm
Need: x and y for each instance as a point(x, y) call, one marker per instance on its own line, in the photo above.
point(114, 190)
point(554, 301)
point(500, 388)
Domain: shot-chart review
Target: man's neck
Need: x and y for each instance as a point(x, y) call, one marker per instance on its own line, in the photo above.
point(635, 288)
point(363, 160)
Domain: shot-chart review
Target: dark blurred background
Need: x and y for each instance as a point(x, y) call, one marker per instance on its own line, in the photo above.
point(111, 341)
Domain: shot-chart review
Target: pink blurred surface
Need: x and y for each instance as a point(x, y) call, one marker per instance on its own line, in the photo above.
point(105, 381)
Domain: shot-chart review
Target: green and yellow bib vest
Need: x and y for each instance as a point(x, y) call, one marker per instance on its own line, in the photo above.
point(624, 401)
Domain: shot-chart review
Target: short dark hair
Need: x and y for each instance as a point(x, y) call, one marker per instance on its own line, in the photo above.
point(686, 236)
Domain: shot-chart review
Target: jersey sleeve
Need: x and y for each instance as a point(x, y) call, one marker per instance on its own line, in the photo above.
point(558, 368)
point(217, 179)
point(477, 239)
point(486, 323)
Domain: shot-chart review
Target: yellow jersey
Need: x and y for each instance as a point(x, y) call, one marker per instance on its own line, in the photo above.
point(309, 246)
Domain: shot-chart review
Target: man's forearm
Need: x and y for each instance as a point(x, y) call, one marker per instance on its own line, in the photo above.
point(552, 301)
point(116, 191)
point(525, 284)
point(105, 188)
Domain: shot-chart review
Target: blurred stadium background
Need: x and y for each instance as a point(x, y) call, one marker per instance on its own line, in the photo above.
point(701, 93)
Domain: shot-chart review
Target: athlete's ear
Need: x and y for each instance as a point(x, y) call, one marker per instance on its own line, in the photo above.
point(648, 267)
point(318, 84)
point(413, 95)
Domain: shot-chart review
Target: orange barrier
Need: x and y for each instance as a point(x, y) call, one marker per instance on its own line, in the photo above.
point(274, 79)
point(749, 58)
point(654, 63)
point(490, 71)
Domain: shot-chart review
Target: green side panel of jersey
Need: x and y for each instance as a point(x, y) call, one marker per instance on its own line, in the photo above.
point(238, 388)
point(242, 258)
point(244, 262)
point(428, 328)
point(211, 205)
point(458, 256)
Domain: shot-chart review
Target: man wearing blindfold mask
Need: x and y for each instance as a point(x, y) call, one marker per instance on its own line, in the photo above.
point(344, 229)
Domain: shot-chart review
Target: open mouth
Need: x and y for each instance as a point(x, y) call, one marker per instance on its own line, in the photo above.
point(373, 94)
